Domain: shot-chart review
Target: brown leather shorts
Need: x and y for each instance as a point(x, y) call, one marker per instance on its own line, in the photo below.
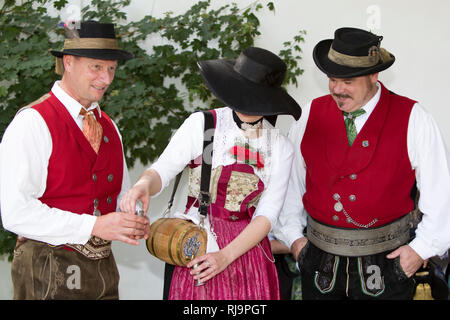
point(43, 272)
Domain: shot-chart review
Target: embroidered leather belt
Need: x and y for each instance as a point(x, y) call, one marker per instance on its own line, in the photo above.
point(359, 242)
point(95, 249)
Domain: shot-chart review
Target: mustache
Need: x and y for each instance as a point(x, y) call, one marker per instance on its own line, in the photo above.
point(342, 96)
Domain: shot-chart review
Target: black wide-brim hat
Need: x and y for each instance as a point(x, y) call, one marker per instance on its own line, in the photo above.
point(251, 84)
point(352, 53)
point(92, 39)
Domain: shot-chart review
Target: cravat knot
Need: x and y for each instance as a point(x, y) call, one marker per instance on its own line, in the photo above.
point(92, 130)
point(350, 124)
point(354, 114)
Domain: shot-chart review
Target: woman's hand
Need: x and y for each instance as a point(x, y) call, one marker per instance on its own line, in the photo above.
point(138, 192)
point(211, 264)
point(148, 185)
point(205, 267)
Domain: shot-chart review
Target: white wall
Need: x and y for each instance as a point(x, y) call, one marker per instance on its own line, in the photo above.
point(415, 31)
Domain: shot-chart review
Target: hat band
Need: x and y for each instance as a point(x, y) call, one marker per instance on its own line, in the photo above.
point(354, 61)
point(90, 43)
point(257, 72)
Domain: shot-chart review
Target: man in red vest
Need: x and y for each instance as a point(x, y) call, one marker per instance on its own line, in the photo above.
point(360, 152)
point(62, 171)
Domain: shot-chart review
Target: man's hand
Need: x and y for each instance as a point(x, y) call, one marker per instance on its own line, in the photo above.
point(297, 246)
point(278, 247)
point(410, 261)
point(122, 226)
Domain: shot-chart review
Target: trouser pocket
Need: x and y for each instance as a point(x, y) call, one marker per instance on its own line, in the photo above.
point(325, 276)
point(40, 271)
point(371, 270)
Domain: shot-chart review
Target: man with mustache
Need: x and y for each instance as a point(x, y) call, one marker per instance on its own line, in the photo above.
point(360, 153)
point(62, 172)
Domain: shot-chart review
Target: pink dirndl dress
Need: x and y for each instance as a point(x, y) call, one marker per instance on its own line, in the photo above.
point(253, 275)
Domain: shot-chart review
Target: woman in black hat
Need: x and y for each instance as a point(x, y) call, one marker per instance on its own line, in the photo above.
point(250, 168)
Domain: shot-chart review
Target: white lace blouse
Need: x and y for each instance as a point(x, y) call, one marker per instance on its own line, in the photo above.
point(275, 149)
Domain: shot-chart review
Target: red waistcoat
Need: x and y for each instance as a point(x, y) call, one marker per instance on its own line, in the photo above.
point(373, 177)
point(78, 178)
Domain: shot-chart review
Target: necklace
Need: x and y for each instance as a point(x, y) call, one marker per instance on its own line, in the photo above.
point(251, 130)
point(246, 125)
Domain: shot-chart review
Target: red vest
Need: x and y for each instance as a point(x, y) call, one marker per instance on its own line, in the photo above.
point(78, 178)
point(373, 177)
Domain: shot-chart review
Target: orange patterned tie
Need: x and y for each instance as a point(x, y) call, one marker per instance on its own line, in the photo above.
point(92, 130)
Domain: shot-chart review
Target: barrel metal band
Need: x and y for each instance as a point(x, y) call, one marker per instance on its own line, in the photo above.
point(359, 242)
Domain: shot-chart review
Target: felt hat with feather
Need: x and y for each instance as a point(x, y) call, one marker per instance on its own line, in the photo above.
point(90, 39)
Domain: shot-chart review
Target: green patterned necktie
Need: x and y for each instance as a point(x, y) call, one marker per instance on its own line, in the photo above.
point(350, 124)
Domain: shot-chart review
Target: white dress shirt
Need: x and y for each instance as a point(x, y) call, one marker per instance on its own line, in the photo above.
point(430, 160)
point(24, 156)
point(187, 144)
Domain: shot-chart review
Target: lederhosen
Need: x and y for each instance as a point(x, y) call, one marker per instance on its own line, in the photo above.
point(82, 182)
point(358, 200)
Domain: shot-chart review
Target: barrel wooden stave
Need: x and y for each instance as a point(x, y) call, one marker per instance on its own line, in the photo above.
point(168, 236)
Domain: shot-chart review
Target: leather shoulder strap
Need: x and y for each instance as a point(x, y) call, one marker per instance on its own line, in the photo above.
point(208, 139)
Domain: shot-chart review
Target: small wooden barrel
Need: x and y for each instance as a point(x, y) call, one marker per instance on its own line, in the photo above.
point(176, 241)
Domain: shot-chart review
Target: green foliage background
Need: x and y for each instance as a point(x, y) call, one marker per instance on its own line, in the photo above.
point(152, 94)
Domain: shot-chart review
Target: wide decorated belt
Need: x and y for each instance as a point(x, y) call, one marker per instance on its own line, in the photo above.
point(359, 242)
point(96, 248)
